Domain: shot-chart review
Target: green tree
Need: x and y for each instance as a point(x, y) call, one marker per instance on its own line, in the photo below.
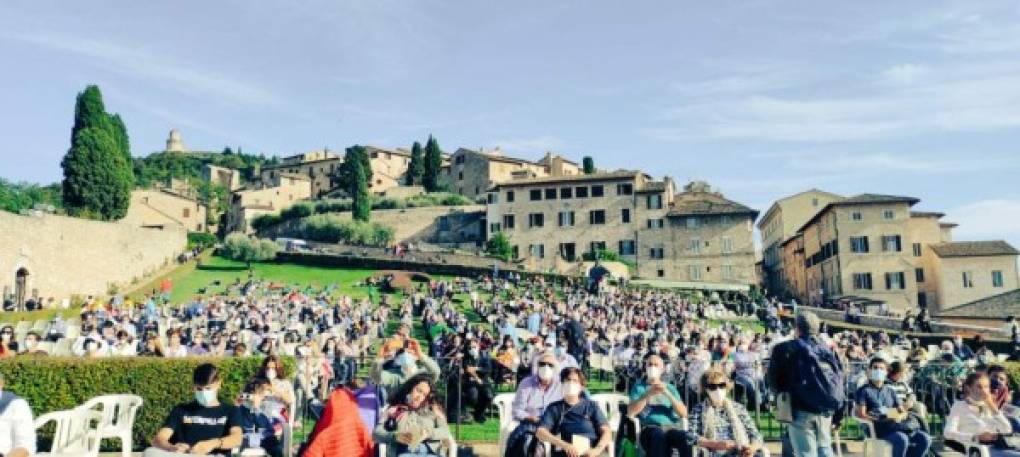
point(361, 201)
point(241, 247)
point(499, 246)
point(433, 165)
point(98, 175)
point(97, 181)
point(416, 169)
point(344, 177)
point(589, 165)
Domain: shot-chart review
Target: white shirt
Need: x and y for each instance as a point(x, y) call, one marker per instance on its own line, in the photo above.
point(16, 429)
point(964, 422)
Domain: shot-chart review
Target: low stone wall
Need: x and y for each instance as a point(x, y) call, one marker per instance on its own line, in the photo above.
point(66, 256)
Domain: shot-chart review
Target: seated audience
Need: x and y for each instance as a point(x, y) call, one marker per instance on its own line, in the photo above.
point(658, 407)
point(414, 423)
point(977, 418)
point(720, 425)
point(203, 426)
point(566, 423)
point(877, 402)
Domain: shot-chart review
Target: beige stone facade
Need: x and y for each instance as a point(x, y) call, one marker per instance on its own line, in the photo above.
point(61, 256)
point(695, 236)
point(779, 224)
point(874, 248)
point(319, 170)
point(228, 178)
point(270, 196)
point(389, 168)
point(711, 239)
point(162, 208)
point(472, 173)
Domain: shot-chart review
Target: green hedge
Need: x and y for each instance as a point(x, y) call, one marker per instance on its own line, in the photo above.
point(59, 383)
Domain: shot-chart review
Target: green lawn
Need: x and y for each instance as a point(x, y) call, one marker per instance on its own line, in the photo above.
point(187, 283)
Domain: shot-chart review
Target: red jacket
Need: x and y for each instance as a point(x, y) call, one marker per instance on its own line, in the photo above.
point(340, 431)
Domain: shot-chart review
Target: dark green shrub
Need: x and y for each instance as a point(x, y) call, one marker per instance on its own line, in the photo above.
point(297, 211)
point(265, 220)
point(59, 383)
point(201, 239)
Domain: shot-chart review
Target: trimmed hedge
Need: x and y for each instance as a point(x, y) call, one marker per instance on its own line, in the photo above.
point(60, 383)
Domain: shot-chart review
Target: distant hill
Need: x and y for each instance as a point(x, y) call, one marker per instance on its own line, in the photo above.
point(160, 167)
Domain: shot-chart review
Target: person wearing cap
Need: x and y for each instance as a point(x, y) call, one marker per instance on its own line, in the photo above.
point(17, 435)
point(810, 432)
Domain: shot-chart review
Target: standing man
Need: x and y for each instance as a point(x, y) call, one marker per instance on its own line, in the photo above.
point(812, 376)
point(17, 434)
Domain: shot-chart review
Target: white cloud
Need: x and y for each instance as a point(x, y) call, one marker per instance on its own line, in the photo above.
point(140, 64)
point(997, 218)
point(906, 73)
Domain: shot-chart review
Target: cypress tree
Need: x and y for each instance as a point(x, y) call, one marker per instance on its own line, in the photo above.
point(98, 169)
point(416, 169)
point(588, 165)
point(433, 164)
point(361, 203)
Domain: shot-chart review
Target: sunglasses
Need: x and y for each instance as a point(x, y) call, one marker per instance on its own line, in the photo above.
point(715, 386)
point(545, 364)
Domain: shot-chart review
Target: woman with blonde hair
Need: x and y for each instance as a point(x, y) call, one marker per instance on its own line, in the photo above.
point(720, 425)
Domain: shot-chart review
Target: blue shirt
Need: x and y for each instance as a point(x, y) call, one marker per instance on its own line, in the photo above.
point(585, 418)
point(876, 401)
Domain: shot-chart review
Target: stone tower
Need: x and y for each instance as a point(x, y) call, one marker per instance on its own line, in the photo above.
point(173, 143)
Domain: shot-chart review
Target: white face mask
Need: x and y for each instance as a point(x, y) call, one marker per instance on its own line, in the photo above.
point(571, 389)
point(717, 396)
point(270, 374)
point(546, 373)
point(654, 373)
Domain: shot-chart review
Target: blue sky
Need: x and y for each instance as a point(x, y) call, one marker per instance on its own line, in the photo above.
point(762, 99)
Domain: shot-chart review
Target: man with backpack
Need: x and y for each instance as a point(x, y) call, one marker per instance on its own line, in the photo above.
point(808, 374)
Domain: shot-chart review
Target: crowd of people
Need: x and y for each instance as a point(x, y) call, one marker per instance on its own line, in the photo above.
point(698, 371)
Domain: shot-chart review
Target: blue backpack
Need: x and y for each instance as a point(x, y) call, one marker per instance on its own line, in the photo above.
point(818, 385)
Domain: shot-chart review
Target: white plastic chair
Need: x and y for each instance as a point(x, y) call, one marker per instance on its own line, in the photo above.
point(62, 347)
point(118, 414)
point(507, 424)
point(873, 446)
point(76, 433)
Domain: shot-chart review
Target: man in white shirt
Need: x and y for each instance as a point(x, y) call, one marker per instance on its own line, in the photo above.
point(17, 434)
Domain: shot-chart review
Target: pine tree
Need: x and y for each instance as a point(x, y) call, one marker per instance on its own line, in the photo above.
point(98, 168)
point(416, 169)
point(433, 164)
point(589, 165)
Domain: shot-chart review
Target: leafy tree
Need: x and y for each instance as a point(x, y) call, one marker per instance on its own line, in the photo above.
point(589, 165)
point(241, 247)
point(416, 169)
point(227, 151)
point(98, 176)
point(15, 197)
point(344, 176)
point(499, 246)
point(433, 165)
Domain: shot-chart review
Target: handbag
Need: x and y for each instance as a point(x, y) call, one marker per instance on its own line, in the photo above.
point(784, 407)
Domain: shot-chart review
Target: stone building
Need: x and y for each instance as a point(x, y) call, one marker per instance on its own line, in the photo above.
point(778, 226)
point(990, 312)
point(695, 237)
point(317, 166)
point(228, 178)
point(389, 167)
point(270, 196)
point(472, 173)
point(874, 248)
point(174, 143)
point(711, 238)
point(46, 256)
point(163, 208)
